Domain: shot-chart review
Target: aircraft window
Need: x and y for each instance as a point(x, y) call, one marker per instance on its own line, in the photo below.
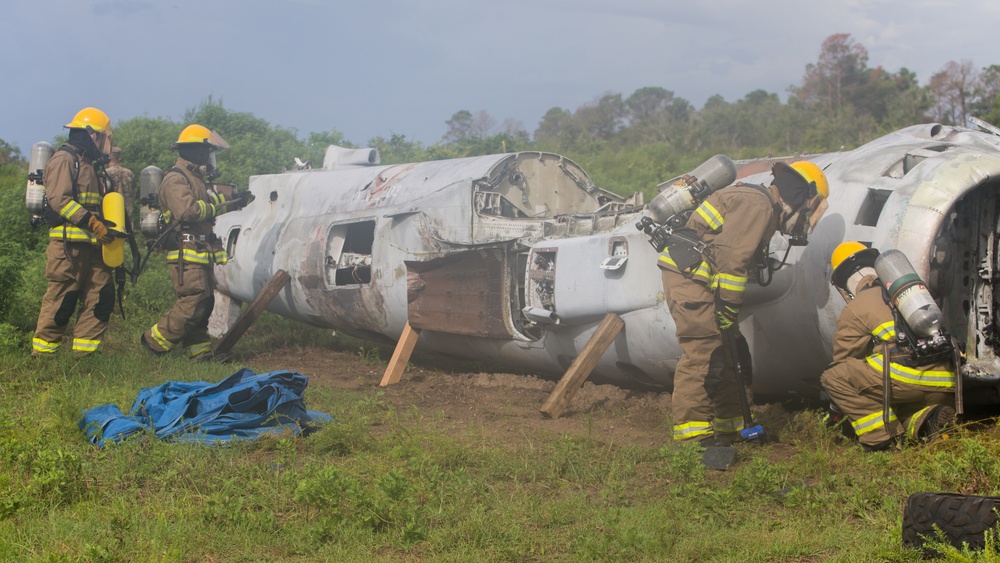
point(871, 209)
point(234, 235)
point(911, 159)
point(349, 254)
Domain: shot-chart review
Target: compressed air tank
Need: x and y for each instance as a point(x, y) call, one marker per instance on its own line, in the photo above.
point(149, 184)
point(909, 294)
point(34, 197)
point(683, 193)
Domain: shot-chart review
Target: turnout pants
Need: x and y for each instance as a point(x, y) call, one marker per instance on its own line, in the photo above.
point(186, 322)
point(706, 396)
point(79, 282)
point(856, 389)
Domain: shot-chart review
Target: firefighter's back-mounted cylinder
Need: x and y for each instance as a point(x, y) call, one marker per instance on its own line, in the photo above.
point(34, 197)
point(685, 192)
point(149, 183)
point(908, 293)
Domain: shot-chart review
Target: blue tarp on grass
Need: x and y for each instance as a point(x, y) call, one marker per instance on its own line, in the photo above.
point(245, 405)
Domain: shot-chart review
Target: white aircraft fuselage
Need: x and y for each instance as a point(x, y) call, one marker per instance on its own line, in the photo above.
point(514, 259)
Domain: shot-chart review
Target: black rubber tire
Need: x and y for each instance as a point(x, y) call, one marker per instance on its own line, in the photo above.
point(962, 518)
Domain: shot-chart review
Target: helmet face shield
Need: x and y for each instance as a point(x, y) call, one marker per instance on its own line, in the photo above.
point(103, 141)
point(217, 142)
point(211, 170)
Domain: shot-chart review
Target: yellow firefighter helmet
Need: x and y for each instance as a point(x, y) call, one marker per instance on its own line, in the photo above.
point(849, 257)
point(197, 134)
point(90, 118)
point(814, 174)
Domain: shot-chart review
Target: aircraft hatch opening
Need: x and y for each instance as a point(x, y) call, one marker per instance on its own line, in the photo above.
point(349, 254)
point(965, 273)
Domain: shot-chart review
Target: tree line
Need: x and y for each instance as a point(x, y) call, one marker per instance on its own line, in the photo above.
point(627, 143)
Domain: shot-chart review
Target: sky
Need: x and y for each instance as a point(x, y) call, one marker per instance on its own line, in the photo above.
point(369, 68)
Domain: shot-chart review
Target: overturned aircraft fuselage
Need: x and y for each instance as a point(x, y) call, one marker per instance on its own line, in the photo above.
point(514, 259)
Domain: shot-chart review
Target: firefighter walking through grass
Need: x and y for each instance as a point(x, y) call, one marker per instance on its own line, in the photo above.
point(705, 270)
point(78, 280)
point(921, 395)
point(190, 204)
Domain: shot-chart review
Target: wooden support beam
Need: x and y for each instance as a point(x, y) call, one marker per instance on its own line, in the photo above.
point(250, 314)
point(401, 355)
point(581, 367)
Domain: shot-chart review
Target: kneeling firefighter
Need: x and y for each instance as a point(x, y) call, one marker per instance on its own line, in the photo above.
point(892, 376)
point(78, 278)
point(190, 204)
point(705, 269)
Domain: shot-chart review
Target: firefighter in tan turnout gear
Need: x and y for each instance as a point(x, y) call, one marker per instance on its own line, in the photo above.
point(189, 204)
point(921, 395)
point(705, 270)
point(78, 280)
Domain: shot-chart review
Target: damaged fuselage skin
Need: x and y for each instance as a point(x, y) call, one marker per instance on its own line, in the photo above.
point(514, 259)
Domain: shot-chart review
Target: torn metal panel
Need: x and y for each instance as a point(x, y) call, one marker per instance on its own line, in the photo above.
point(465, 293)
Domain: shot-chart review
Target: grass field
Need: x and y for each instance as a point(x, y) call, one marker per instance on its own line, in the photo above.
point(384, 484)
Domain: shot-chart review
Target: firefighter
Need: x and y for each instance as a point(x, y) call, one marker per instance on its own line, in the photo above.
point(78, 279)
point(189, 204)
point(921, 396)
point(705, 270)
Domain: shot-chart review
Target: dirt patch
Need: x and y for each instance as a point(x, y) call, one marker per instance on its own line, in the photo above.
point(500, 406)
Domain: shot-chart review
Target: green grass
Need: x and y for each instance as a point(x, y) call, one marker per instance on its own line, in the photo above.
point(385, 485)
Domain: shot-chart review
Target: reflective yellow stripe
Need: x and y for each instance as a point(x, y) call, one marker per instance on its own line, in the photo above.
point(89, 198)
point(728, 424)
point(81, 345)
point(903, 374)
point(193, 256)
point(730, 282)
point(711, 216)
point(911, 426)
point(69, 209)
point(69, 232)
point(43, 347)
point(690, 430)
point(198, 349)
point(885, 331)
point(702, 272)
point(163, 342)
point(871, 422)
point(205, 210)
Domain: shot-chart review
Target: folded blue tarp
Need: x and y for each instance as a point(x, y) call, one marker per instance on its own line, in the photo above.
point(245, 405)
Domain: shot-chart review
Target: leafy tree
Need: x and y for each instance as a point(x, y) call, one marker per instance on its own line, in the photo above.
point(397, 149)
point(655, 115)
point(987, 91)
point(839, 76)
point(9, 154)
point(460, 127)
point(557, 130)
point(146, 141)
point(953, 88)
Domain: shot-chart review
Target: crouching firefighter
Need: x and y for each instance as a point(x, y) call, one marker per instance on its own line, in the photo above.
point(78, 279)
point(190, 204)
point(705, 268)
point(892, 380)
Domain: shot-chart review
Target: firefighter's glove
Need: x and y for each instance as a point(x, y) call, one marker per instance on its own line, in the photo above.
point(99, 227)
point(726, 314)
point(241, 200)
